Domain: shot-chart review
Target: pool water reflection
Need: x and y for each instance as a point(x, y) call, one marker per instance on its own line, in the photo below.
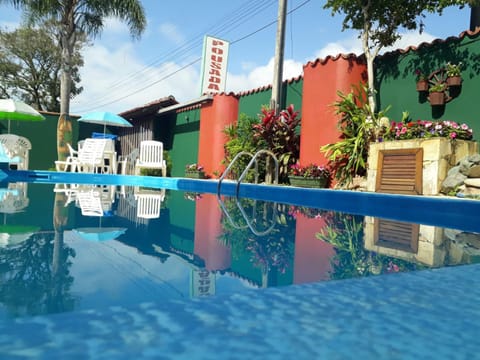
point(73, 247)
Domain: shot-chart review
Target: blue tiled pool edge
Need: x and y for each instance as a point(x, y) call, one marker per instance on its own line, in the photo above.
point(433, 314)
point(441, 211)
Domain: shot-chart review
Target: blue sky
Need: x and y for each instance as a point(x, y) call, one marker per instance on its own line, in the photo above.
point(120, 73)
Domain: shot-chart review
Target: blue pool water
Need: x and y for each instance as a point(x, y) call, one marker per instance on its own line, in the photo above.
point(214, 277)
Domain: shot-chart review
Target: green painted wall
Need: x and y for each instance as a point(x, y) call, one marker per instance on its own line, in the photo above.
point(43, 136)
point(182, 143)
point(251, 104)
point(396, 79)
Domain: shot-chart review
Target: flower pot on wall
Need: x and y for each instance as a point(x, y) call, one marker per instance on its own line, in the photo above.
point(454, 80)
point(307, 182)
point(437, 98)
point(422, 85)
point(195, 174)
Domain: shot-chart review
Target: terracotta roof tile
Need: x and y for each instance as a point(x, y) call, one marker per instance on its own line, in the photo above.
point(151, 107)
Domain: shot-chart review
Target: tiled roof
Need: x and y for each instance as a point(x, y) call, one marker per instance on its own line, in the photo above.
point(149, 108)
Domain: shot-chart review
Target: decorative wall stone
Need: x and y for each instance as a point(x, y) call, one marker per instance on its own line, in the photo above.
point(439, 155)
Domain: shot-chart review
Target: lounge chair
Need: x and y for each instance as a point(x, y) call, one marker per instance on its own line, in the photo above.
point(91, 157)
point(151, 157)
point(95, 200)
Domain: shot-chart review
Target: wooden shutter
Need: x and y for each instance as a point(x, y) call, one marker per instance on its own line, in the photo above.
point(396, 235)
point(400, 171)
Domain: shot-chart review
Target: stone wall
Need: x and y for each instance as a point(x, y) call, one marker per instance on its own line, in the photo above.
point(439, 155)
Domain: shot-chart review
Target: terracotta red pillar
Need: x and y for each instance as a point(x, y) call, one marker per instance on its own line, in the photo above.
point(214, 117)
point(321, 81)
point(207, 229)
point(312, 256)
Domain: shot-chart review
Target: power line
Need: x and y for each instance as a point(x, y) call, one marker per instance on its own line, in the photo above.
point(191, 63)
point(230, 22)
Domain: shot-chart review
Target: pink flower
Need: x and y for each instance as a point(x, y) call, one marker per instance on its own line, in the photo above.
point(453, 135)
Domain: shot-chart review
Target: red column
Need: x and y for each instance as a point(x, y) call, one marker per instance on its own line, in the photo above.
point(214, 117)
point(207, 229)
point(312, 255)
point(321, 81)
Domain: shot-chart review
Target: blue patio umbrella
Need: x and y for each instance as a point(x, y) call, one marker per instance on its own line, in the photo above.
point(99, 234)
point(105, 118)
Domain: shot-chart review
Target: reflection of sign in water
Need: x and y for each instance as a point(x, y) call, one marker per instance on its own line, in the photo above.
point(202, 283)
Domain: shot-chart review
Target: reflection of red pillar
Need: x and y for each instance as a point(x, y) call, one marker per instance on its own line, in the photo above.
point(207, 229)
point(312, 255)
point(321, 81)
point(214, 117)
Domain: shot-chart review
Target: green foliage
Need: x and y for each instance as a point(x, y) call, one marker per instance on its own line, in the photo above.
point(32, 73)
point(240, 138)
point(453, 69)
point(279, 134)
point(345, 233)
point(358, 127)
point(439, 87)
point(276, 133)
point(274, 249)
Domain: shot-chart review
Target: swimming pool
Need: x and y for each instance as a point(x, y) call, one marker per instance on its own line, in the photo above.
point(189, 283)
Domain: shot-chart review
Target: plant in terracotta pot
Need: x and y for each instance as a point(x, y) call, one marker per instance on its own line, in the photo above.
point(422, 80)
point(453, 73)
point(437, 93)
point(194, 171)
point(312, 175)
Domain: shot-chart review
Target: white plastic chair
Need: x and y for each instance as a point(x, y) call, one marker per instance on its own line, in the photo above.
point(70, 163)
point(91, 157)
point(151, 157)
point(16, 148)
point(149, 203)
point(95, 200)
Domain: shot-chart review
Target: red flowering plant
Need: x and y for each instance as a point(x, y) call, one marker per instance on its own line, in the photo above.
point(422, 129)
point(278, 133)
point(310, 171)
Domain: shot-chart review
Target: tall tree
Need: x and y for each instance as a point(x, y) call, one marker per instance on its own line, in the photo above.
point(379, 21)
point(32, 73)
point(74, 17)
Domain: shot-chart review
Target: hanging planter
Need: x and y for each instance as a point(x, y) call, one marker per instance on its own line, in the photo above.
point(454, 80)
point(422, 85)
point(437, 98)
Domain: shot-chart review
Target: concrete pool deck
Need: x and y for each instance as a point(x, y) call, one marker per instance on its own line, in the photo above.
point(432, 314)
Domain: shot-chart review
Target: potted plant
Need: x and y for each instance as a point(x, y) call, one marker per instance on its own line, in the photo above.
point(194, 171)
point(312, 175)
point(422, 81)
point(453, 73)
point(437, 93)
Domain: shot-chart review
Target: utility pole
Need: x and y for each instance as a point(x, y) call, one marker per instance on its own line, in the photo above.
point(276, 99)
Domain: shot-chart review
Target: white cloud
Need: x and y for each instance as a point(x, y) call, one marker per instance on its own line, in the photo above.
point(353, 45)
point(262, 76)
point(171, 32)
point(115, 80)
point(411, 39)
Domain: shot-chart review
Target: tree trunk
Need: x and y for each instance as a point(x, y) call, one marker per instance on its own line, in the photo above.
point(474, 17)
point(64, 125)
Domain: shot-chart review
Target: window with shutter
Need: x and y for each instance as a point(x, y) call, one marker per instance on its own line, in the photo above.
point(400, 171)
